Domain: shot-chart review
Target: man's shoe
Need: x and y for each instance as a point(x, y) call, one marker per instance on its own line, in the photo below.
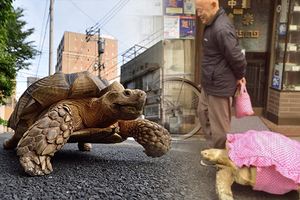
point(207, 163)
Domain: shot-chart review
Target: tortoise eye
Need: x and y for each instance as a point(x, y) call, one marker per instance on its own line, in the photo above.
point(127, 93)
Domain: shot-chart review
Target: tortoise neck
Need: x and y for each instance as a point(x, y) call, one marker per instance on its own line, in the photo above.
point(100, 114)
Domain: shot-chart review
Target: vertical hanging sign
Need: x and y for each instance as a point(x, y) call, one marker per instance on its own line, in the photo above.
point(187, 27)
point(174, 7)
point(189, 7)
point(171, 25)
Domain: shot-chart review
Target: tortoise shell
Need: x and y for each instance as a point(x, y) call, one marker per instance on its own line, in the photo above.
point(51, 89)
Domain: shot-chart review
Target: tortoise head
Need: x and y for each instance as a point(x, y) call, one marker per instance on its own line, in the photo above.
point(209, 154)
point(125, 104)
point(220, 156)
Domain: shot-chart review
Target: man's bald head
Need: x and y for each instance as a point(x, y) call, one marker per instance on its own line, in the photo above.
point(206, 9)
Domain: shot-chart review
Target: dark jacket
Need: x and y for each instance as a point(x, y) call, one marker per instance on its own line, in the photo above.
point(223, 63)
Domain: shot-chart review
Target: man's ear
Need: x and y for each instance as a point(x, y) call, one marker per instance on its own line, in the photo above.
point(214, 4)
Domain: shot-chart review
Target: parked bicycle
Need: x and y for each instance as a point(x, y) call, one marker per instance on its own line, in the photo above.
point(179, 102)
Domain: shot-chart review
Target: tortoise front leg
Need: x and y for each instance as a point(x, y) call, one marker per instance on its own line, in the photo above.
point(153, 137)
point(224, 180)
point(43, 139)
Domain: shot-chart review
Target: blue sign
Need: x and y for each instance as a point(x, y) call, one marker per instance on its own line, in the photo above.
point(282, 29)
point(276, 82)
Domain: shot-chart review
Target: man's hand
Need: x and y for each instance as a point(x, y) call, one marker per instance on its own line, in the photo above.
point(239, 82)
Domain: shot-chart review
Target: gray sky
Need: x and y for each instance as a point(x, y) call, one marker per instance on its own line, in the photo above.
point(76, 16)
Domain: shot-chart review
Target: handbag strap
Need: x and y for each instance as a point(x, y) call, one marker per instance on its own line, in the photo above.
point(241, 88)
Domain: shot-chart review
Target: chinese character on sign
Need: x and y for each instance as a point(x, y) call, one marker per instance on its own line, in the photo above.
point(231, 16)
point(173, 3)
point(231, 3)
point(248, 19)
point(246, 4)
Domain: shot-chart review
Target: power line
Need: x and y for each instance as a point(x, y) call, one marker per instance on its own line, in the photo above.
point(43, 43)
point(120, 7)
point(41, 47)
point(95, 28)
point(81, 11)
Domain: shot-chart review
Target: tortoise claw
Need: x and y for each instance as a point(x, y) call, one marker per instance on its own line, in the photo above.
point(31, 167)
point(33, 172)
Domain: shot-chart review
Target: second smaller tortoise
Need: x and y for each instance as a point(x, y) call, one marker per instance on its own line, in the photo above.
point(264, 160)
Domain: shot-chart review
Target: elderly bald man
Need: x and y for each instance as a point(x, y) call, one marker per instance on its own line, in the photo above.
point(223, 70)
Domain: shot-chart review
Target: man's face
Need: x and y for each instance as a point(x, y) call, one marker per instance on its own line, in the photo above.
point(205, 10)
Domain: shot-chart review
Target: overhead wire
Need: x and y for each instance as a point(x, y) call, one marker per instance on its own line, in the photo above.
point(115, 9)
point(104, 20)
point(118, 9)
point(40, 55)
point(42, 44)
point(151, 40)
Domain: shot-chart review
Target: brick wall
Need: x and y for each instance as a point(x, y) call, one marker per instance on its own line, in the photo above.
point(289, 104)
point(274, 100)
point(284, 104)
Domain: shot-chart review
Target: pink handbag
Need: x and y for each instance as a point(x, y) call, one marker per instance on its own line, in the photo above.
point(242, 104)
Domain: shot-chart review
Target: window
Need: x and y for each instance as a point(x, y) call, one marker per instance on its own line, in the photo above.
point(75, 48)
point(88, 59)
point(112, 54)
point(81, 49)
point(81, 58)
point(81, 39)
point(88, 50)
point(106, 53)
point(81, 68)
point(113, 44)
point(76, 58)
point(9, 102)
point(75, 67)
point(75, 38)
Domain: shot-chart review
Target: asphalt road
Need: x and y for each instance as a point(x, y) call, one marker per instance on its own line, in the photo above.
point(120, 171)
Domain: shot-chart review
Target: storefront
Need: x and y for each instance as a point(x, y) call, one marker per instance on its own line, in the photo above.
point(269, 33)
point(284, 93)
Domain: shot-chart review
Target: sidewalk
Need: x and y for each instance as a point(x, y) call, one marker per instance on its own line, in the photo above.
point(261, 124)
point(289, 131)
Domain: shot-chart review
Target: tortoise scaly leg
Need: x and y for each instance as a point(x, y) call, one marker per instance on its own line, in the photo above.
point(153, 137)
point(43, 139)
point(224, 180)
point(85, 137)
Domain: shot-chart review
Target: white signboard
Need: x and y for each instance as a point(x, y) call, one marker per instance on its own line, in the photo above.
point(171, 27)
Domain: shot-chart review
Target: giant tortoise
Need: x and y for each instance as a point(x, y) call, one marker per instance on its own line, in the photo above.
point(81, 108)
point(264, 160)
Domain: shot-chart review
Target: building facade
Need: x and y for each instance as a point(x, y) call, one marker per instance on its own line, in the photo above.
point(268, 33)
point(76, 54)
point(6, 110)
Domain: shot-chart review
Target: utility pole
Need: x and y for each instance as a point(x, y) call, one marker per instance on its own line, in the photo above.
point(101, 49)
point(51, 39)
point(99, 53)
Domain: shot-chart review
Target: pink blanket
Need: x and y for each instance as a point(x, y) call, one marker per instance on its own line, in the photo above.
point(276, 157)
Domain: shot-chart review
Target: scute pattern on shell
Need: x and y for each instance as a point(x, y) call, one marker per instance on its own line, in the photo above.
point(50, 90)
point(42, 140)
